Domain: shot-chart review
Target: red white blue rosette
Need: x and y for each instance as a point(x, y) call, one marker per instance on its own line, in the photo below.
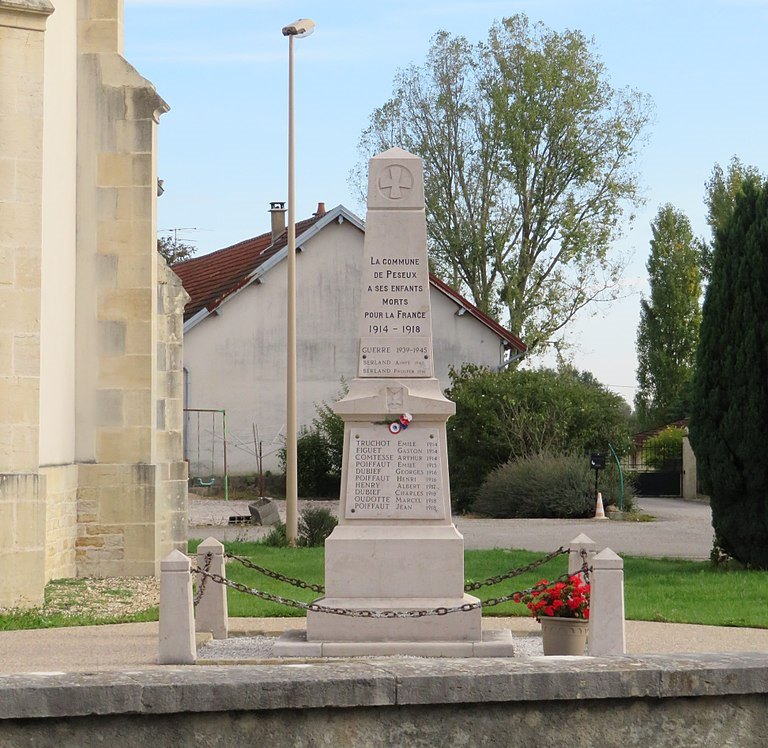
point(400, 424)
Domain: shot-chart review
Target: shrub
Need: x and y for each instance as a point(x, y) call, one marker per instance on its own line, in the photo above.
point(320, 449)
point(276, 536)
point(504, 415)
point(547, 486)
point(665, 448)
point(315, 525)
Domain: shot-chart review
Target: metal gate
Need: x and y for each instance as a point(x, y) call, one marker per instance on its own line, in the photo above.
point(657, 468)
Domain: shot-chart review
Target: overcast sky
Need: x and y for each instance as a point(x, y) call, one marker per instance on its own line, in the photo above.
point(222, 67)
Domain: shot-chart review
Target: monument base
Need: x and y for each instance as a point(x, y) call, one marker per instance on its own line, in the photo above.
point(463, 626)
point(494, 643)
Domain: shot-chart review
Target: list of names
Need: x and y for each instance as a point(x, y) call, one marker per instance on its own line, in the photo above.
point(394, 476)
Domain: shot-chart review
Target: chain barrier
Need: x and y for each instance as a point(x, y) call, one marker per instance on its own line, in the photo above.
point(515, 572)
point(276, 575)
point(364, 613)
point(201, 588)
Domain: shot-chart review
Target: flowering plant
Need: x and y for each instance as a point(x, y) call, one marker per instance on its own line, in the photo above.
point(560, 600)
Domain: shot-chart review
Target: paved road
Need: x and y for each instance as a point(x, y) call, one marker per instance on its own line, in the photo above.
point(682, 529)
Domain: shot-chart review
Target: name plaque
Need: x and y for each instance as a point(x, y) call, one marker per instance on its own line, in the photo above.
point(399, 357)
point(394, 476)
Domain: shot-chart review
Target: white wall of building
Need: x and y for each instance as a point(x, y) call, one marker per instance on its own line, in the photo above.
point(236, 359)
point(57, 315)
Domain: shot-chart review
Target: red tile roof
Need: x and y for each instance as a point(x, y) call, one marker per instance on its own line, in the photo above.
point(502, 332)
point(210, 279)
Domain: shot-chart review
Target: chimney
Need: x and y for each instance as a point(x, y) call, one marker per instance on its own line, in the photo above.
point(277, 212)
point(320, 210)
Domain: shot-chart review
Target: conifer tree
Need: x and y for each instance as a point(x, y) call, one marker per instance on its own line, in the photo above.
point(669, 321)
point(729, 419)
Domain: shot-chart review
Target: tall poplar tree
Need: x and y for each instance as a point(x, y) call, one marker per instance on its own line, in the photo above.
point(729, 419)
point(669, 321)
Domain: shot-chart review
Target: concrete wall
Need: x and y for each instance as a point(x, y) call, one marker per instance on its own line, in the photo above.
point(654, 700)
point(236, 358)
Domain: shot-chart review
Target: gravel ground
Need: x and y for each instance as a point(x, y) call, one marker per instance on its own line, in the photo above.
point(99, 598)
point(260, 648)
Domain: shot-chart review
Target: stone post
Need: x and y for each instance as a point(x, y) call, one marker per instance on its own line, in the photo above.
point(211, 614)
point(606, 606)
point(177, 623)
point(577, 545)
point(690, 476)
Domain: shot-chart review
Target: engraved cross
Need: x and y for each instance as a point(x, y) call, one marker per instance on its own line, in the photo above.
point(395, 181)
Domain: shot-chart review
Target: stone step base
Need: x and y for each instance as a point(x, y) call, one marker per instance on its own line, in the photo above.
point(494, 643)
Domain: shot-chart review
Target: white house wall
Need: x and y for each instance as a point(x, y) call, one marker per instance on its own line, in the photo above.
point(236, 359)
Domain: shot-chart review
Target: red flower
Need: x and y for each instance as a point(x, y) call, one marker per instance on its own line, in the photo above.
point(562, 599)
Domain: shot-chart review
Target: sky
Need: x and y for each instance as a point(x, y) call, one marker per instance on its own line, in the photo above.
point(222, 66)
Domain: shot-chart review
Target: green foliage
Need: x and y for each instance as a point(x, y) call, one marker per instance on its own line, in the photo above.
point(561, 486)
point(729, 421)
point(665, 448)
point(668, 332)
point(503, 415)
point(722, 189)
point(539, 486)
point(528, 155)
point(320, 449)
point(315, 525)
point(173, 250)
point(276, 537)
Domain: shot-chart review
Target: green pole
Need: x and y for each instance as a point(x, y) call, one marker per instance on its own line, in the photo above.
point(621, 477)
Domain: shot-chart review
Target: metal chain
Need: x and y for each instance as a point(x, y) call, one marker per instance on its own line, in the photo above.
point(201, 588)
point(515, 572)
point(363, 613)
point(276, 575)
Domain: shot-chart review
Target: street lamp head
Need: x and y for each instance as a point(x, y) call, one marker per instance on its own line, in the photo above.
point(300, 28)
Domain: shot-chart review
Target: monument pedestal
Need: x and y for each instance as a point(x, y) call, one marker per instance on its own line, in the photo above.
point(395, 552)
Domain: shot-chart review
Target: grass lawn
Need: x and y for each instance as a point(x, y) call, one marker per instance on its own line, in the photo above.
point(669, 590)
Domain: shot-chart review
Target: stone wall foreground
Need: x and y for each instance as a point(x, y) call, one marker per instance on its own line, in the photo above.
point(653, 700)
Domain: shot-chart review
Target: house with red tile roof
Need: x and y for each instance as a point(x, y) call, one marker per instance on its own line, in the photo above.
point(235, 334)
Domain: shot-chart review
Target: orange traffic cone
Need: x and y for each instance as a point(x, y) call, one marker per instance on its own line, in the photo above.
point(599, 511)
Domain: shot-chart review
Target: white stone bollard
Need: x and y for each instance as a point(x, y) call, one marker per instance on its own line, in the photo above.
point(577, 545)
point(606, 605)
point(211, 614)
point(177, 622)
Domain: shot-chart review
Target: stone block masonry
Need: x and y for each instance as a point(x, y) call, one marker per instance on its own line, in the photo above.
point(92, 479)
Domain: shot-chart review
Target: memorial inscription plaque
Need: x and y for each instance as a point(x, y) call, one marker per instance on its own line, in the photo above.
point(394, 476)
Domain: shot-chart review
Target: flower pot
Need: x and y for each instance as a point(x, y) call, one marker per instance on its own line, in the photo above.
point(564, 636)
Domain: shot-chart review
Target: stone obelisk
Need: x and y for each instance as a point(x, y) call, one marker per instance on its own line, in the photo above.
point(396, 547)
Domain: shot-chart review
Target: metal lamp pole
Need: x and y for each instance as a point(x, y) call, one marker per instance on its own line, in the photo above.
point(300, 28)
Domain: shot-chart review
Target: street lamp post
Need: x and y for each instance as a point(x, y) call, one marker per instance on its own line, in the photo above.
point(300, 28)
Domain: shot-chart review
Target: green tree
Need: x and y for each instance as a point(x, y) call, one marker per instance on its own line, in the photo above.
point(720, 193)
point(512, 414)
point(528, 154)
point(173, 250)
point(729, 420)
point(668, 332)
